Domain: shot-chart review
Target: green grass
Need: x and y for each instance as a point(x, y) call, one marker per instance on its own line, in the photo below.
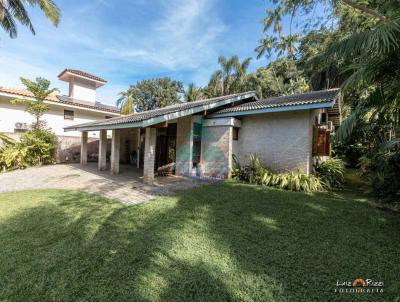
point(229, 242)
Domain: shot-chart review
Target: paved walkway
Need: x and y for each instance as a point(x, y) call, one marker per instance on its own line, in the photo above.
point(127, 187)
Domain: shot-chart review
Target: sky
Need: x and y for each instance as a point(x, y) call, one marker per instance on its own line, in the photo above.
point(126, 41)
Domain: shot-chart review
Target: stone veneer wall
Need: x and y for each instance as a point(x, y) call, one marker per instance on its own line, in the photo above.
point(282, 140)
point(184, 144)
point(69, 149)
point(216, 151)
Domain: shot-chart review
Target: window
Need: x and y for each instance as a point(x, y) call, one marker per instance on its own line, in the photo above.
point(68, 115)
point(196, 144)
point(235, 134)
point(324, 118)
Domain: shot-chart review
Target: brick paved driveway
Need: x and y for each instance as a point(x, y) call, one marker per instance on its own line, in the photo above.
point(126, 187)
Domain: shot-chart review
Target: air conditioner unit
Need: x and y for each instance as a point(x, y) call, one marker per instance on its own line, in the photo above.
point(21, 126)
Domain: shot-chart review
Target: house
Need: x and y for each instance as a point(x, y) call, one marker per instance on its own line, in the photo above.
point(201, 137)
point(79, 106)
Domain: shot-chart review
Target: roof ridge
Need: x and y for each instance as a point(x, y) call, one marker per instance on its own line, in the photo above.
point(185, 102)
point(311, 97)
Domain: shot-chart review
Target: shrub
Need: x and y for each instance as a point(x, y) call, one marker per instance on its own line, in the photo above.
point(40, 146)
point(331, 172)
point(256, 173)
point(35, 147)
point(12, 157)
point(384, 176)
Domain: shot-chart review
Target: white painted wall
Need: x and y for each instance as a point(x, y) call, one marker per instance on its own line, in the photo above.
point(11, 114)
point(83, 91)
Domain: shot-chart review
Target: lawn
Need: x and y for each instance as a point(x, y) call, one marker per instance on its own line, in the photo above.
point(228, 242)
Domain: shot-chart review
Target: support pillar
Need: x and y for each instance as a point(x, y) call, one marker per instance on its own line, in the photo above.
point(115, 146)
point(138, 149)
point(149, 155)
point(84, 141)
point(102, 150)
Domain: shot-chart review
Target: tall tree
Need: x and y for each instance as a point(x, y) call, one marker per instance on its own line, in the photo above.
point(193, 93)
point(265, 47)
point(231, 78)
point(40, 89)
point(151, 94)
point(13, 11)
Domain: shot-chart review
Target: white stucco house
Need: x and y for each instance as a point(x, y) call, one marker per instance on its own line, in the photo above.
point(79, 106)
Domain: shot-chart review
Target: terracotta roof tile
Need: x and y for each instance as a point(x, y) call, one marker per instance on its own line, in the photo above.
point(60, 99)
point(82, 74)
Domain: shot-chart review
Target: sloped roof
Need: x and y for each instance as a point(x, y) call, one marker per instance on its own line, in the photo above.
point(60, 99)
point(314, 97)
point(82, 74)
point(191, 107)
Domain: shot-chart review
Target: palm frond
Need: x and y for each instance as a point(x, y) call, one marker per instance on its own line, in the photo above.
point(7, 22)
point(381, 39)
point(49, 8)
point(347, 126)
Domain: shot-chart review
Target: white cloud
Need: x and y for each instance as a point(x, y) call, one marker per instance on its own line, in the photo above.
point(183, 38)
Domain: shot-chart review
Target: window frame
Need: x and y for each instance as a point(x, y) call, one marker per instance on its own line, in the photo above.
point(69, 115)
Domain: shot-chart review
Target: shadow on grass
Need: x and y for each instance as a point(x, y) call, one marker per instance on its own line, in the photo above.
point(228, 242)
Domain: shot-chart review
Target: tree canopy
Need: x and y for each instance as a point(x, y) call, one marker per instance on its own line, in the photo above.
point(150, 94)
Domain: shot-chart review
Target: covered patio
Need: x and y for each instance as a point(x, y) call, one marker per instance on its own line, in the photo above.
point(166, 136)
point(126, 187)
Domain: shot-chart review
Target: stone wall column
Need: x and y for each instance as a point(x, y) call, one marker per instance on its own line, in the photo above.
point(84, 142)
point(102, 150)
point(184, 146)
point(149, 155)
point(115, 149)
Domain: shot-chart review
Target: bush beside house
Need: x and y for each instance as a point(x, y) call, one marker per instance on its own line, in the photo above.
point(329, 174)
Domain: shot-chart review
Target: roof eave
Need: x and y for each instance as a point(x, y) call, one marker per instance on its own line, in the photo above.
point(162, 118)
point(61, 104)
point(276, 109)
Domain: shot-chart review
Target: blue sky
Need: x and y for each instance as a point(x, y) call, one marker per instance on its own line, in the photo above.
point(126, 41)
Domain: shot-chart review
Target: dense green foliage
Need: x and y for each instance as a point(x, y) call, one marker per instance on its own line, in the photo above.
point(35, 147)
point(256, 173)
point(12, 11)
point(231, 78)
point(229, 242)
point(331, 172)
point(355, 45)
point(150, 94)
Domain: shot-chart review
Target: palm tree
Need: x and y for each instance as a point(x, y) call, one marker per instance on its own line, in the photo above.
point(13, 11)
point(274, 18)
point(193, 93)
point(241, 74)
point(287, 45)
point(228, 67)
point(377, 53)
point(127, 102)
point(265, 48)
point(230, 78)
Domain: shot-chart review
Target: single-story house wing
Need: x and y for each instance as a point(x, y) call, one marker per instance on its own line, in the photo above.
point(201, 137)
